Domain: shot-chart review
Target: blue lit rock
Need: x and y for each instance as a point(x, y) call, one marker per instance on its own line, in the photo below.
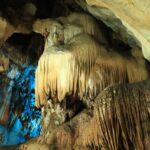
point(23, 118)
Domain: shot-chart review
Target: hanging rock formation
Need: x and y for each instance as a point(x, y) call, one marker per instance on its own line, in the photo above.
point(129, 18)
point(81, 66)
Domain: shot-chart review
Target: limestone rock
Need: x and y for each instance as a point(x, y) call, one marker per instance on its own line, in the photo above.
point(129, 18)
point(10, 53)
point(7, 29)
point(19, 119)
point(29, 11)
point(4, 62)
point(5, 99)
point(105, 125)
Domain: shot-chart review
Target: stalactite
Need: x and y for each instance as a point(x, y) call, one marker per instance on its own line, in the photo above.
point(88, 23)
point(82, 67)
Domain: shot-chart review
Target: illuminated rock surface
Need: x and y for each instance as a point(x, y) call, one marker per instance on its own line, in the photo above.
point(23, 120)
point(130, 19)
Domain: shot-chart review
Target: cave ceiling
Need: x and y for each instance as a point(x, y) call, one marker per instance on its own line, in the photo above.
point(128, 19)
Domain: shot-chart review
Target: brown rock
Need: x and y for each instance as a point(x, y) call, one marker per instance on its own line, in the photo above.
point(4, 61)
point(119, 120)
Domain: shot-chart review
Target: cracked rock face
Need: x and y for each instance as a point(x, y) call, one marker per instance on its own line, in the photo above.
point(128, 18)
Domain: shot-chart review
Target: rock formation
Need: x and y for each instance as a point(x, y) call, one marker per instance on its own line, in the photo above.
point(119, 120)
point(129, 18)
point(92, 79)
point(71, 69)
point(80, 65)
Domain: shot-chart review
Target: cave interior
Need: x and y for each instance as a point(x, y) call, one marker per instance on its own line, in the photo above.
point(21, 120)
